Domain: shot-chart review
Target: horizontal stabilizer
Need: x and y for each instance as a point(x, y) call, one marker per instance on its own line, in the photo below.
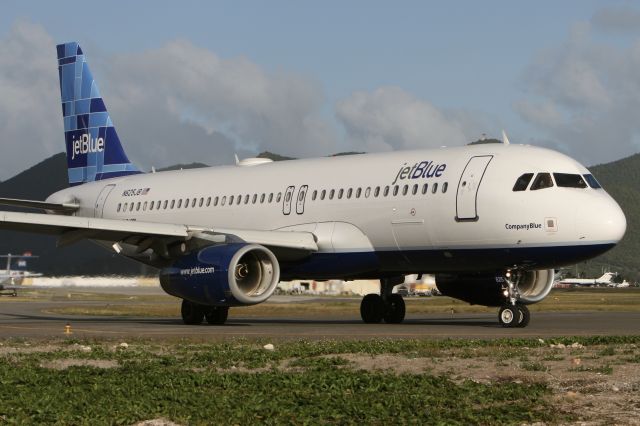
point(32, 204)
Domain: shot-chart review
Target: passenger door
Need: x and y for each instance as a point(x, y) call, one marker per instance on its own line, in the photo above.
point(467, 195)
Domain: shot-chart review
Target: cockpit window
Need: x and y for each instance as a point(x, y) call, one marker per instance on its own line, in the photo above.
point(543, 180)
point(592, 181)
point(523, 182)
point(567, 180)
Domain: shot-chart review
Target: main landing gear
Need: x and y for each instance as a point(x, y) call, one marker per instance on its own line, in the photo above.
point(512, 313)
point(385, 306)
point(193, 313)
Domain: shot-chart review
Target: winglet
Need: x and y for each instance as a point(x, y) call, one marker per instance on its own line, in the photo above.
point(505, 139)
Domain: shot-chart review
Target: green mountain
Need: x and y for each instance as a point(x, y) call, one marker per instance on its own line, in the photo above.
point(620, 178)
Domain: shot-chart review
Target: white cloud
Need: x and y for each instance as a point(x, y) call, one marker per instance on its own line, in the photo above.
point(585, 97)
point(620, 18)
point(30, 114)
point(390, 119)
point(216, 102)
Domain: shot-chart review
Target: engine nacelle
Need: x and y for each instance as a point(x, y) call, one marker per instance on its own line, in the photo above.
point(223, 275)
point(488, 289)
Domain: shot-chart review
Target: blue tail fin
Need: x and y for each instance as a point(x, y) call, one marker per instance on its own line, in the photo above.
point(94, 151)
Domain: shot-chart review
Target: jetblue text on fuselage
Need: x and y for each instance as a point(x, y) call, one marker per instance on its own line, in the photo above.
point(84, 145)
point(423, 169)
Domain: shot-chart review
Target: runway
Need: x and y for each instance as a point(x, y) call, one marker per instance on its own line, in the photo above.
point(29, 320)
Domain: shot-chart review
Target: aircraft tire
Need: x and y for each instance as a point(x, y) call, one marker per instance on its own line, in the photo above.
point(394, 309)
point(192, 313)
point(524, 316)
point(509, 315)
point(372, 308)
point(216, 314)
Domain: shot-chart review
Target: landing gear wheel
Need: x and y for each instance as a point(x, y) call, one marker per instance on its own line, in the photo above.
point(394, 309)
point(509, 316)
point(216, 314)
point(372, 308)
point(524, 316)
point(192, 313)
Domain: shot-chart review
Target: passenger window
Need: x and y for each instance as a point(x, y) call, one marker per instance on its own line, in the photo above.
point(151, 205)
point(208, 201)
point(349, 192)
point(138, 206)
point(201, 203)
point(331, 194)
point(279, 197)
point(231, 198)
point(173, 203)
point(131, 207)
point(164, 205)
point(434, 188)
point(376, 192)
point(395, 190)
point(386, 190)
point(367, 192)
point(323, 194)
point(246, 199)
point(224, 200)
point(358, 192)
point(193, 202)
point(262, 198)
point(340, 192)
point(405, 189)
point(566, 180)
point(425, 188)
point(119, 206)
point(179, 203)
point(592, 181)
point(522, 182)
point(144, 206)
point(445, 186)
point(239, 199)
point(271, 197)
point(415, 189)
point(254, 199)
point(543, 180)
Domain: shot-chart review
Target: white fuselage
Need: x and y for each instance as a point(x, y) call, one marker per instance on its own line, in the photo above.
point(469, 217)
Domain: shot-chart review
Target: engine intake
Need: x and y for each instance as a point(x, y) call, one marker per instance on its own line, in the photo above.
point(224, 275)
point(487, 290)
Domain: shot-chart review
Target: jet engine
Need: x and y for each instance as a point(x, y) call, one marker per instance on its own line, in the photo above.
point(489, 289)
point(223, 275)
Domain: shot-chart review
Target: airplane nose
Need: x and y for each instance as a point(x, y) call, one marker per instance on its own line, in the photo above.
point(611, 221)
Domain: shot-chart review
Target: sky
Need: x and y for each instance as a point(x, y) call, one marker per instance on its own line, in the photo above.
point(204, 80)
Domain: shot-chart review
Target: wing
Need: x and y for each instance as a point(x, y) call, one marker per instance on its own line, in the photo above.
point(150, 242)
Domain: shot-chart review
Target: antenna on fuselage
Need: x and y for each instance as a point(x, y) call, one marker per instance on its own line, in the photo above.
point(505, 139)
point(237, 159)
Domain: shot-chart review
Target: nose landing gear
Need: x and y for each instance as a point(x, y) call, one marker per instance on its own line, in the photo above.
point(512, 313)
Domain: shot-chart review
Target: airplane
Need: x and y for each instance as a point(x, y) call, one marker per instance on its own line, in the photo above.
point(605, 280)
point(11, 279)
point(491, 221)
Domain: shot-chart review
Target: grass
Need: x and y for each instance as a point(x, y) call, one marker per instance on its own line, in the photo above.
point(195, 384)
point(299, 382)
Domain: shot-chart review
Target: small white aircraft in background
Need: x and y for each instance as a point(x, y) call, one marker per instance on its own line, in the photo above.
point(11, 279)
point(606, 280)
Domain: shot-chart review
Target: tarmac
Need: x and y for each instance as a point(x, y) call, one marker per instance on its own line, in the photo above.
point(29, 319)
